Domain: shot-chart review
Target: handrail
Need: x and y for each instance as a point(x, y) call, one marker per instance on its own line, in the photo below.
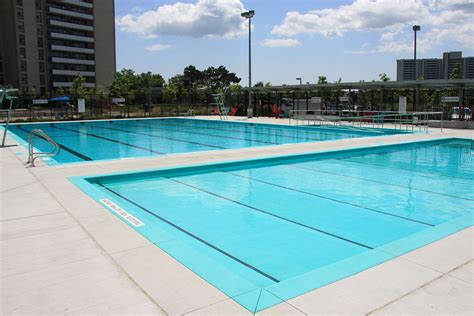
point(5, 131)
point(376, 118)
point(32, 155)
point(189, 113)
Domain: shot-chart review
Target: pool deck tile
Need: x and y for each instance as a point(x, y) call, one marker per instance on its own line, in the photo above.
point(111, 234)
point(435, 256)
point(367, 290)
point(62, 252)
point(443, 296)
point(85, 286)
point(175, 288)
point(464, 273)
point(35, 225)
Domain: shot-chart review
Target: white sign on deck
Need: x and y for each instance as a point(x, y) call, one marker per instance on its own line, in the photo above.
point(450, 99)
point(40, 101)
point(344, 99)
point(118, 100)
point(81, 105)
point(122, 213)
point(402, 104)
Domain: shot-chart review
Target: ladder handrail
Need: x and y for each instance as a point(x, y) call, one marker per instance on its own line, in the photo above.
point(189, 113)
point(32, 155)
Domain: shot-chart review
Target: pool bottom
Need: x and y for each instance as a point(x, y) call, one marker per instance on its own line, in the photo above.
point(258, 294)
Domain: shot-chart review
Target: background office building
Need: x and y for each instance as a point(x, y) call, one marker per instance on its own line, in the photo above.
point(436, 68)
point(44, 44)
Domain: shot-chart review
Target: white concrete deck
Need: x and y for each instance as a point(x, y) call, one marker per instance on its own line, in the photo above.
point(61, 252)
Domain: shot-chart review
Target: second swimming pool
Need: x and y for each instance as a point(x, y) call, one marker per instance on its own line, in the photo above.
point(266, 230)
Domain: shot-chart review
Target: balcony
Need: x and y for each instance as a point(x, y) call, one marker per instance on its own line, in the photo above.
point(72, 49)
point(79, 3)
point(72, 25)
point(62, 84)
point(73, 73)
point(74, 61)
point(71, 13)
point(72, 37)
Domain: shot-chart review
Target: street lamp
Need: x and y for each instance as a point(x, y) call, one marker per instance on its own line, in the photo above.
point(249, 15)
point(416, 28)
point(301, 82)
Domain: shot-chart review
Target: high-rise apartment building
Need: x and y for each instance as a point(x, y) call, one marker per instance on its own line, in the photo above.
point(436, 68)
point(44, 44)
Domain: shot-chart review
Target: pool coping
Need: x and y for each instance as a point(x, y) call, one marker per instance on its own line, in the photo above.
point(133, 254)
point(278, 293)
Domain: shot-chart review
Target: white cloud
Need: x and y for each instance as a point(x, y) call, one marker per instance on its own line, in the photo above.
point(441, 21)
point(287, 42)
point(157, 47)
point(205, 18)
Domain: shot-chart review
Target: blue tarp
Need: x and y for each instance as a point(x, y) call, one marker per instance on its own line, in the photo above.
point(64, 99)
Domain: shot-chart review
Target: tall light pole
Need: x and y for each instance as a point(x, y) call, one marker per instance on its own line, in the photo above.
point(249, 15)
point(301, 82)
point(416, 28)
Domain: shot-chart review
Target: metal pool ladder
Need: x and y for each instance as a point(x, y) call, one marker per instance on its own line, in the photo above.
point(32, 155)
point(189, 113)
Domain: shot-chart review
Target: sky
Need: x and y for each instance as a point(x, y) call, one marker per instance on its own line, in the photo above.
point(352, 40)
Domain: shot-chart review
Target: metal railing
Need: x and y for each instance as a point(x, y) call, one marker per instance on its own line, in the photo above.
point(189, 114)
point(408, 121)
point(32, 155)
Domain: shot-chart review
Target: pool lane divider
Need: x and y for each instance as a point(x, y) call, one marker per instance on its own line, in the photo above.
point(271, 214)
point(109, 139)
point(334, 200)
point(69, 150)
point(156, 136)
point(191, 234)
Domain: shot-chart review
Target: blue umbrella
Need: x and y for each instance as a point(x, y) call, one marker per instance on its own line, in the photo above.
point(64, 99)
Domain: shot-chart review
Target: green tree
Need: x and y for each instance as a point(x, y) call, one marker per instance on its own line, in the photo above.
point(124, 85)
point(219, 78)
point(456, 73)
point(77, 90)
point(322, 79)
point(170, 91)
point(383, 77)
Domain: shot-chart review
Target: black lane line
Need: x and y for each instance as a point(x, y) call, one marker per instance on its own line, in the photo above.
point(380, 182)
point(69, 150)
point(269, 213)
point(399, 168)
point(109, 139)
point(212, 135)
point(156, 136)
point(335, 200)
point(192, 235)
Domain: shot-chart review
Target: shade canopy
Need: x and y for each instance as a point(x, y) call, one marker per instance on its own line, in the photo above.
point(63, 99)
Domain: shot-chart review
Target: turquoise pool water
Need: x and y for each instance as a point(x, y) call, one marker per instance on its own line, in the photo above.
point(264, 231)
point(115, 139)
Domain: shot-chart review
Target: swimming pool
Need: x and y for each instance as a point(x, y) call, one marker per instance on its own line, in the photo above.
point(266, 230)
point(116, 139)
